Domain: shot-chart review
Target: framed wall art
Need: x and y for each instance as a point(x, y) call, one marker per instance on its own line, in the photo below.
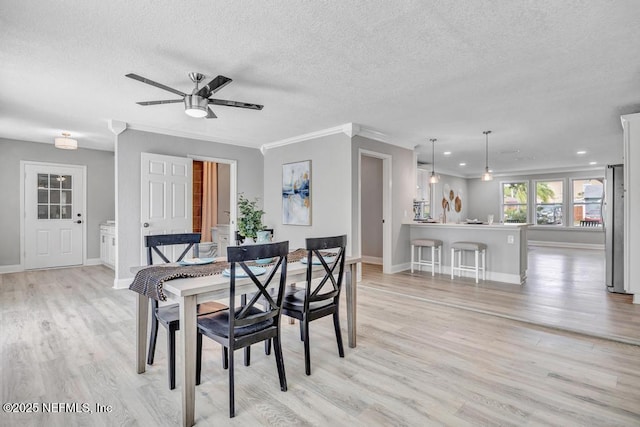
point(296, 193)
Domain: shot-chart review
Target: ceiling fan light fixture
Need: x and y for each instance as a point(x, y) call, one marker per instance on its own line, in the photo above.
point(65, 143)
point(195, 106)
point(486, 176)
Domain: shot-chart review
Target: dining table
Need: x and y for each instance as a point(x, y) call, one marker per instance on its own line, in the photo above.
point(188, 292)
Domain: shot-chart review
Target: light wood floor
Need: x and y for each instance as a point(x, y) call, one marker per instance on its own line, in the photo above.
point(66, 336)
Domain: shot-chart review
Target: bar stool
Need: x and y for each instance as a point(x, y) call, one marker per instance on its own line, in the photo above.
point(434, 244)
point(460, 247)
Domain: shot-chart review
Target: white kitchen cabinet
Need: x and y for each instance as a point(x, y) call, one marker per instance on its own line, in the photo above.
point(108, 244)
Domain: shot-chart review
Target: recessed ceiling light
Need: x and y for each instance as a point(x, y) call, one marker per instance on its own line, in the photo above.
point(463, 164)
point(447, 153)
point(593, 163)
point(581, 152)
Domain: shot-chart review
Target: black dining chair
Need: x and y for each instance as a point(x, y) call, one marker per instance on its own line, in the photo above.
point(240, 327)
point(169, 315)
point(319, 298)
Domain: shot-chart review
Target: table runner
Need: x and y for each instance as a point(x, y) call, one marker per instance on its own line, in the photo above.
point(149, 281)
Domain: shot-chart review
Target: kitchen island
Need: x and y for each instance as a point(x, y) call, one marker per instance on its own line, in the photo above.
point(506, 246)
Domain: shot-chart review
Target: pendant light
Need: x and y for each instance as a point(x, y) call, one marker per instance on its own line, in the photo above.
point(65, 143)
point(486, 176)
point(433, 179)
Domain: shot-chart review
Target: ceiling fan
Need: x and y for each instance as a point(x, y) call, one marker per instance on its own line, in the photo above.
point(197, 103)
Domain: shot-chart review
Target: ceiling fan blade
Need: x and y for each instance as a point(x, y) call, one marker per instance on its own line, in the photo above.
point(156, 84)
point(166, 101)
point(210, 114)
point(213, 86)
point(235, 104)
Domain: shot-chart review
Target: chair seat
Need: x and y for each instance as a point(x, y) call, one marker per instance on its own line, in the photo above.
point(171, 313)
point(426, 242)
point(218, 323)
point(469, 246)
point(294, 300)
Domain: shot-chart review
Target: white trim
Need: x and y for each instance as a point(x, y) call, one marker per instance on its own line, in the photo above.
point(397, 268)
point(371, 260)
point(122, 283)
point(189, 135)
point(16, 268)
point(23, 177)
point(346, 128)
point(542, 243)
point(387, 214)
point(93, 261)
point(349, 129)
point(374, 134)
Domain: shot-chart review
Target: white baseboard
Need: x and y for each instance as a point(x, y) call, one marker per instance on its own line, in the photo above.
point(400, 267)
point(11, 268)
point(93, 261)
point(636, 298)
point(122, 283)
point(542, 243)
point(371, 260)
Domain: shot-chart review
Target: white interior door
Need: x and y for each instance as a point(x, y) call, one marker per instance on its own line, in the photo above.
point(53, 215)
point(166, 197)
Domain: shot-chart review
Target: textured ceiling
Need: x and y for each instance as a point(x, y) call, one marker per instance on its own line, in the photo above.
point(549, 78)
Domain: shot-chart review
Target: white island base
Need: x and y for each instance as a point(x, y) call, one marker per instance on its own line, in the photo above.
point(506, 247)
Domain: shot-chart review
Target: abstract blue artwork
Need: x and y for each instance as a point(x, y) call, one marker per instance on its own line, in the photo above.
point(296, 193)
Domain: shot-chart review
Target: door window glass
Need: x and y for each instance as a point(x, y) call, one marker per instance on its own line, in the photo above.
point(55, 196)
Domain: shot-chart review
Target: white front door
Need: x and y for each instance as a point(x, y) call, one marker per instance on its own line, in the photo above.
point(166, 196)
point(53, 215)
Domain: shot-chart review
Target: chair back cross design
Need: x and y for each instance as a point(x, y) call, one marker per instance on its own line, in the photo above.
point(237, 256)
point(154, 242)
point(315, 246)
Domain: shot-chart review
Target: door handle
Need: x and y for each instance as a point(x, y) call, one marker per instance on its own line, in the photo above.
point(145, 225)
point(79, 221)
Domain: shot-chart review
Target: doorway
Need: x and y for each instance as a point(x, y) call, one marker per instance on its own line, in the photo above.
point(212, 205)
point(52, 215)
point(374, 201)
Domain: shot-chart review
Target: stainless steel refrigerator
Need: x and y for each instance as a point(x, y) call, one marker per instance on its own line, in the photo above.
point(614, 228)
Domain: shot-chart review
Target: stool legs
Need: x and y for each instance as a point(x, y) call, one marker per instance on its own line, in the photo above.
point(413, 249)
point(429, 263)
point(475, 268)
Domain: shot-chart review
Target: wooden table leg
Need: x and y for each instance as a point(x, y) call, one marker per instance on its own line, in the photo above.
point(142, 314)
point(351, 278)
point(188, 333)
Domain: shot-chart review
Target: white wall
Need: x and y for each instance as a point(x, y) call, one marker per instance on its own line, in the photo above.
point(99, 185)
point(330, 188)
point(130, 144)
point(371, 187)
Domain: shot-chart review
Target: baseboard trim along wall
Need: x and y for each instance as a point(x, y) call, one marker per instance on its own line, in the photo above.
point(371, 260)
point(122, 283)
point(593, 246)
point(11, 268)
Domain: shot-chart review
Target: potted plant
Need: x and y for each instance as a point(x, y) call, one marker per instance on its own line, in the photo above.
point(250, 220)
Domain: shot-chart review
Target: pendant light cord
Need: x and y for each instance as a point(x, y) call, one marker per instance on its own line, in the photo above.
point(486, 163)
point(433, 156)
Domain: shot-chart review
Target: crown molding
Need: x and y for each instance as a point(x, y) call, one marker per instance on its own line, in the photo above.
point(189, 135)
point(116, 126)
point(374, 134)
point(347, 129)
